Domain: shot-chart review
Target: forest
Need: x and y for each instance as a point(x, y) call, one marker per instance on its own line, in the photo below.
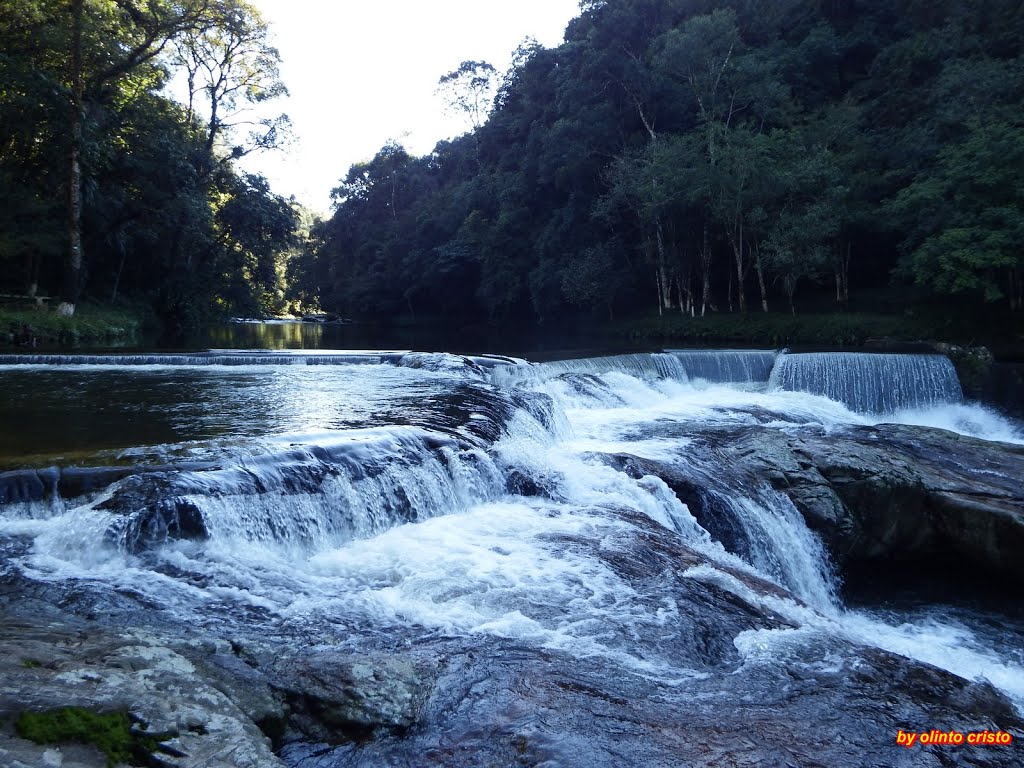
point(706, 156)
point(112, 190)
point(671, 156)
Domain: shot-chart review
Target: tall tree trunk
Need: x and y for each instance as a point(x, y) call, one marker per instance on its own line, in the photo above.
point(661, 293)
point(728, 293)
point(737, 251)
point(73, 264)
point(760, 279)
point(846, 274)
point(117, 277)
point(666, 293)
point(705, 260)
point(841, 268)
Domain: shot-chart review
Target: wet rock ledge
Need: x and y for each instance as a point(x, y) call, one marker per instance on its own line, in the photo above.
point(874, 494)
point(251, 695)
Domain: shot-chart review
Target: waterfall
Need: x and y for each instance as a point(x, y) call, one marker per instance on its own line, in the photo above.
point(727, 366)
point(648, 366)
point(870, 383)
point(773, 537)
point(717, 366)
point(304, 499)
point(547, 503)
point(430, 361)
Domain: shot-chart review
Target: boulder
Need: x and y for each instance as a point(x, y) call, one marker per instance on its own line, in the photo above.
point(338, 697)
point(871, 493)
point(188, 722)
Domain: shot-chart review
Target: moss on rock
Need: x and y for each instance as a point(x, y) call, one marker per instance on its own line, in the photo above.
point(111, 733)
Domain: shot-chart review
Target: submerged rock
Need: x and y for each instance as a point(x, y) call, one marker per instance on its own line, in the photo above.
point(442, 362)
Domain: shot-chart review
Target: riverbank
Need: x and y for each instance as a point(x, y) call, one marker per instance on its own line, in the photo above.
point(825, 329)
point(37, 329)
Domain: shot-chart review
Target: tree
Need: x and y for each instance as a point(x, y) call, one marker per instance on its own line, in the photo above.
point(125, 35)
point(971, 214)
point(805, 219)
point(87, 135)
point(231, 67)
point(469, 91)
point(700, 54)
point(256, 228)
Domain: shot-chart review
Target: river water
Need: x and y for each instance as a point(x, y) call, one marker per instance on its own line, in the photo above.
point(450, 485)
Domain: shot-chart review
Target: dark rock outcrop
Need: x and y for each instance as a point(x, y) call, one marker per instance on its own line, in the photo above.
point(65, 662)
point(871, 493)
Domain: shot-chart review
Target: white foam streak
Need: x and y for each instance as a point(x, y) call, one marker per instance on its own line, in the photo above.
point(970, 419)
point(942, 642)
point(506, 569)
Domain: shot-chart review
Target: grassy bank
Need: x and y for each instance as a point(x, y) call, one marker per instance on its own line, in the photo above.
point(825, 330)
point(30, 328)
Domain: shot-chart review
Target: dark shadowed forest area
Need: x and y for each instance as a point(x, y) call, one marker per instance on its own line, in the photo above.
point(111, 190)
point(678, 157)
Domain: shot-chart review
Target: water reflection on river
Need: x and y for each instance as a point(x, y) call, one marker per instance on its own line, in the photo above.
point(70, 413)
point(552, 344)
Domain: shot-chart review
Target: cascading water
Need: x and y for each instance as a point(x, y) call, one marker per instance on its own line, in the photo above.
point(870, 383)
point(200, 358)
point(655, 365)
point(229, 357)
point(545, 505)
point(722, 366)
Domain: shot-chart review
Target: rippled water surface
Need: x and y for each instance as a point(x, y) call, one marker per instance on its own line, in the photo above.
point(74, 411)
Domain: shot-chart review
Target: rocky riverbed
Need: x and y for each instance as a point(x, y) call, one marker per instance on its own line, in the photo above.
point(759, 688)
point(475, 583)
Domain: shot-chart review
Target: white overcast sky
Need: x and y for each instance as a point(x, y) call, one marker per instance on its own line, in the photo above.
point(361, 72)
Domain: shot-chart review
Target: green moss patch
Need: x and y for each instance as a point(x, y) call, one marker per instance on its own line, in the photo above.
point(110, 732)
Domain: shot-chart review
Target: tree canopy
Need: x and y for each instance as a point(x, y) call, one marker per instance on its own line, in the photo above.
point(115, 189)
point(692, 155)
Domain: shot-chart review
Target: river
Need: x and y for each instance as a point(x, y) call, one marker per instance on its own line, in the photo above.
point(366, 500)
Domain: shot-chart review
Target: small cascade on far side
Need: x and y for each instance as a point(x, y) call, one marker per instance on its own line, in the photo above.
point(727, 366)
point(870, 382)
point(646, 366)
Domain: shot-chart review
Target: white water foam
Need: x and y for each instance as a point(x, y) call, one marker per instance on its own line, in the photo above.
point(943, 641)
point(970, 419)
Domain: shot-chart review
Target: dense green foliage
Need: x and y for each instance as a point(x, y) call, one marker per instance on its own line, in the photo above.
point(90, 325)
point(109, 189)
point(706, 155)
point(111, 733)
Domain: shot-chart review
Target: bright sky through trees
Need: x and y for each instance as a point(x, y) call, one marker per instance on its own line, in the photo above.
point(360, 73)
